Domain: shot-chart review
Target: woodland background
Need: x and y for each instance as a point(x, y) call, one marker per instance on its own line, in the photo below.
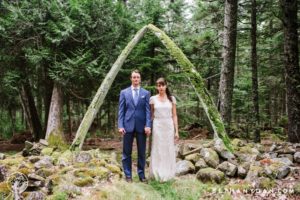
point(249, 59)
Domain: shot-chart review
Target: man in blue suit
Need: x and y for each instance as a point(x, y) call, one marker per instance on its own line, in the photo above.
point(134, 121)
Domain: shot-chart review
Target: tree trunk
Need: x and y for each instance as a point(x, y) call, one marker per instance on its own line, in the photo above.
point(48, 88)
point(69, 112)
point(254, 72)
point(292, 71)
point(227, 69)
point(55, 121)
point(31, 114)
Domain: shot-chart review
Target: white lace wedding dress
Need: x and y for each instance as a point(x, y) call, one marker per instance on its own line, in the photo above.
point(163, 159)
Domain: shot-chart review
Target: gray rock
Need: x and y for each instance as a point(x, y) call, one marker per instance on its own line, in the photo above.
point(220, 148)
point(284, 160)
point(193, 157)
point(289, 156)
point(297, 157)
point(210, 156)
point(2, 156)
point(35, 177)
point(44, 162)
point(177, 150)
point(273, 147)
point(63, 163)
point(243, 157)
point(286, 149)
point(28, 145)
point(273, 155)
point(296, 145)
point(243, 169)
point(183, 149)
point(294, 171)
point(36, 196)
point(43, 142)
point(228, 168)
point(36, 184)
point(283, 171)
point(200, 164)
point(254, 172)
point(34, 159)
point(83, 157)
point(238, 142)
point(35, 150)
point(65, 159)
point(3, 173)
point(210, 175)
point(70, 189)
point(277, 168)
point(48, 188)
point(184, 167)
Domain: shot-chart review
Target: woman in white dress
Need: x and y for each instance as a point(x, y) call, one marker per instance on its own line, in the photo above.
point(164, 132)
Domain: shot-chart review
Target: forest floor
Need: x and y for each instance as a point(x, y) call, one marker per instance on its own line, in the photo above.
point(183, 187)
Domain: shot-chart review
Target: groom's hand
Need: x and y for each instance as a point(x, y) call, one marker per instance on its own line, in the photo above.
point(147, 131)
point(122, 131)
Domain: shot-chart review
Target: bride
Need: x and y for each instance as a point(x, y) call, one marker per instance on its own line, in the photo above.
point(165, 130)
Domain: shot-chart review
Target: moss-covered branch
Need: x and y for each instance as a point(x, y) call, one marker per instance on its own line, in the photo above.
point(102, 91)
point(187, 67)
point(198, 84)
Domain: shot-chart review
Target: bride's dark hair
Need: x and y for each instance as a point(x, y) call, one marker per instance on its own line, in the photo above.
point(162, 81)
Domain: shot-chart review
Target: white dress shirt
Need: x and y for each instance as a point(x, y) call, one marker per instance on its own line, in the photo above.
point(132, 90)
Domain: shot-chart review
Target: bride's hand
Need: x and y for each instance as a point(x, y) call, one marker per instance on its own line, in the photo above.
point(176, 137)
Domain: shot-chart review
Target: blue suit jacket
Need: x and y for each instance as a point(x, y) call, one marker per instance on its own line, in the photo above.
point(131, 117)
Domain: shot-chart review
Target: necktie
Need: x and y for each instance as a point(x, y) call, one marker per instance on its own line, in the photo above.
point(135, 96)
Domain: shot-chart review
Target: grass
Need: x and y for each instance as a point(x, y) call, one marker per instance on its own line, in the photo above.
point(185, 188)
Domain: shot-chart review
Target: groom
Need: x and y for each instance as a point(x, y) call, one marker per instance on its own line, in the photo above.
point(134, 121)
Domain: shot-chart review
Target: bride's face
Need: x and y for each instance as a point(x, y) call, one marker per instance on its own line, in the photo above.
point(161, 88)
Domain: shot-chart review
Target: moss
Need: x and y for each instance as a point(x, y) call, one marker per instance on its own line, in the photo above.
point(227, 196)
point(25, 170)
point(66, 169)
point(113, 168)
point(59, 196)
point(210, 175)
point(239, 186)
point(67, 156)
point(55, 155)
point(83, 172)
point(297, 188)
point(4, 190)
point(97, 163)
point(257, 169)
point(100, 172)
point(47, 151)
point(56, 178)
point(11, 161)
point(45, 172)
point(81, 182)
point(57, 142)
point(266, 183)
point(237, 142)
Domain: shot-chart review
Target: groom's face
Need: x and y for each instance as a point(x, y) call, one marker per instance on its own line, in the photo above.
point(135, 79)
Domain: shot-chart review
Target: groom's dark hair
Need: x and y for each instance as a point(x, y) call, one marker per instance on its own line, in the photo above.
point(135, 71)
